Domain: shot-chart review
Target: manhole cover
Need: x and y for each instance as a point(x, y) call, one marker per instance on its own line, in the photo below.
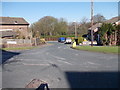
point(36, 83)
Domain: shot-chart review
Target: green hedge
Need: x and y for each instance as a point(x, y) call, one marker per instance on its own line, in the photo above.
point(80, 39)
point(57, 36)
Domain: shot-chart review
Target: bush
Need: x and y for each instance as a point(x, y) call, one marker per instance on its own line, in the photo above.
point(80, 39)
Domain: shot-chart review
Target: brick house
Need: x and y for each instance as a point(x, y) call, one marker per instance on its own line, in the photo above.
point(14, 24)
point(114, 36)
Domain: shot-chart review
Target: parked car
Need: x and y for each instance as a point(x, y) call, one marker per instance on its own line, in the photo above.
point(62, 39)
point(68, 41)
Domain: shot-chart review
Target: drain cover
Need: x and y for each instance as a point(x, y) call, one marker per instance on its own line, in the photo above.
point(35, 83)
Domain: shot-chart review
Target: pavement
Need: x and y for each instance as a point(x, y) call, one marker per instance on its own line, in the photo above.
point(60, 67)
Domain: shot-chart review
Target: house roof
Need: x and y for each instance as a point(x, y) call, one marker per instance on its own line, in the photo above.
point(96, 26)
point(13, 21)
point(7, 33)
point(113, 20)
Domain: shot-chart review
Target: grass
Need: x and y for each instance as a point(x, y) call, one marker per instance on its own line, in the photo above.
point(103, 49)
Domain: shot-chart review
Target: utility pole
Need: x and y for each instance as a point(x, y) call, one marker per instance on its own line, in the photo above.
point(91, 22)
point(75, 31)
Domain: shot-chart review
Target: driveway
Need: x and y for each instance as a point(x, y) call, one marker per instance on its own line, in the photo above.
point(61, 67)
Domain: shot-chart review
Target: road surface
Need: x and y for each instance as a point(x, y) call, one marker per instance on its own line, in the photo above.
point(61, 67)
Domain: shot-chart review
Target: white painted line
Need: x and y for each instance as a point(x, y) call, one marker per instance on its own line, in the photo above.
point(58, 57)
point(93, 63)
point(59, 47)
point(64, 62)
point(35, 64)
point(76, 54)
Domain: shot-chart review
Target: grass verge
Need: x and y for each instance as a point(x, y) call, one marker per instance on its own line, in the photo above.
point(102, 49)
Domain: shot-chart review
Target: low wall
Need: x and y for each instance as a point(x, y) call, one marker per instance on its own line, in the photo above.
point(16, 45)
point(7, 43)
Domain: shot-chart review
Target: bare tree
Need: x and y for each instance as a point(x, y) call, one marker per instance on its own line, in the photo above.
point(98, 18)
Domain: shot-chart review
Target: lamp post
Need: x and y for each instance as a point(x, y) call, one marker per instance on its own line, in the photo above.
point(91, 22)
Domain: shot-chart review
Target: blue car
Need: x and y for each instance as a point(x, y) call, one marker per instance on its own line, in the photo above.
point(61, 39)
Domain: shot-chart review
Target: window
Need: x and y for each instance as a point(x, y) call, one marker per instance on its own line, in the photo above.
point(15, 22)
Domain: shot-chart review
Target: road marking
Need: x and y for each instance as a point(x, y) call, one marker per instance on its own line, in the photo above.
point(76, 54)
point(93, 63)
point(59, 47)
point(35, 64)
point(64, 62)
point(58, 57)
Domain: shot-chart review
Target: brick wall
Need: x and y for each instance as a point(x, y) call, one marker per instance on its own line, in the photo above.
point(16, 45)
point(22, 28)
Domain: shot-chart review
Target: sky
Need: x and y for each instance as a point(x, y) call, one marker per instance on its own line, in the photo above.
point(70, 11)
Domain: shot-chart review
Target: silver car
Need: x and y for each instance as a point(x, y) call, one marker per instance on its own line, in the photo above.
point(68, 41)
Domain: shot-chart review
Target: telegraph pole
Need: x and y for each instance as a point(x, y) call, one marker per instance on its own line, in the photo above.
point(75, 31)
point(91, 22)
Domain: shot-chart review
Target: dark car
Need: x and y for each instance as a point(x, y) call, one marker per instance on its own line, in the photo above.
point(61, 39)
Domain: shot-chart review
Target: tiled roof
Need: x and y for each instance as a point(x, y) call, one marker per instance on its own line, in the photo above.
point(113, 20)
point(96, 26)
point(12, 20)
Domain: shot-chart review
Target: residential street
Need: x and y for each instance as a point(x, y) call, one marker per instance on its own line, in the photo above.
point(61, 67)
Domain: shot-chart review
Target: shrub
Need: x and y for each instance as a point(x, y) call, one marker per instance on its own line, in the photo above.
point(80, 39)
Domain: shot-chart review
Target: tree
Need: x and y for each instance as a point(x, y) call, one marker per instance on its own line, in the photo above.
point(49, 26)
point(84, 20)
point(61, 27)
point(71, 29)
point(83, 26)
point(105, 32)
point(98, 18)
point(118, 34)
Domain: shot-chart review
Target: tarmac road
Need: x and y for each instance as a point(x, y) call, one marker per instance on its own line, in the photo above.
point(61, 67)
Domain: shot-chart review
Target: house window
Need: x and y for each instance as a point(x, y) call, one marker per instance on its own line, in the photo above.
point(20, 28)
point(15, 22)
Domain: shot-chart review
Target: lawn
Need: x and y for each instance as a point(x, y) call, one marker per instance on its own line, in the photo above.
point(103, 49)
